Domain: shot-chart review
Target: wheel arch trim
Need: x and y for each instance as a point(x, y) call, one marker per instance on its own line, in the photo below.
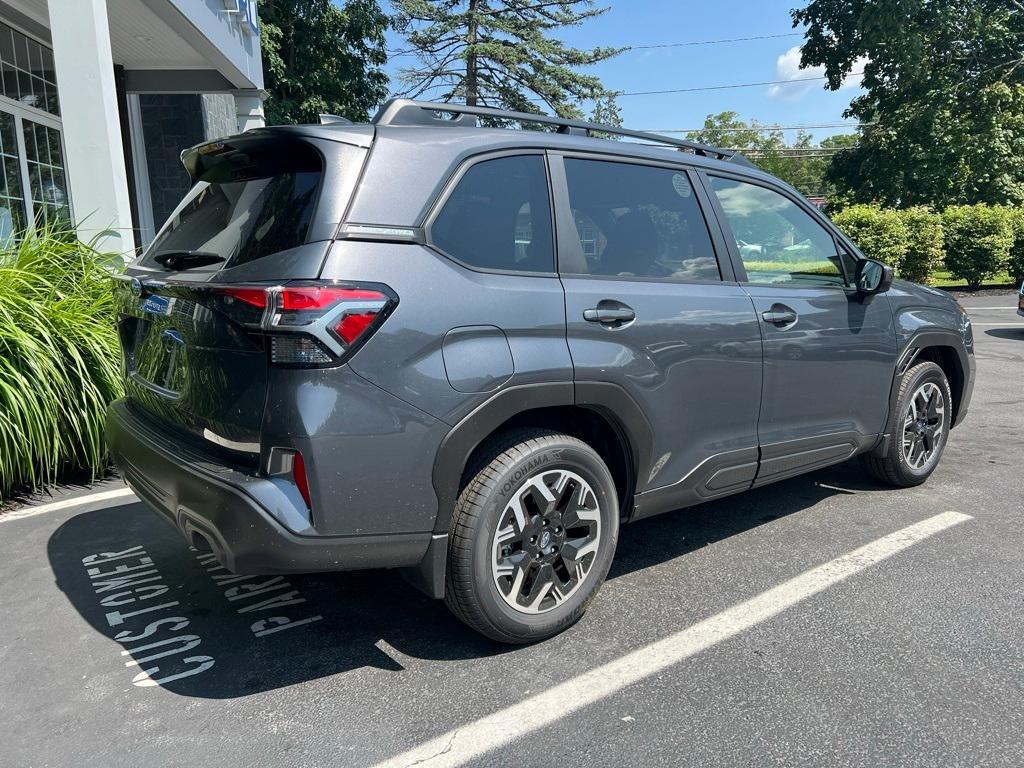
point(929, 339)
point(462, 439)
point(610, 400)
point(912, 348)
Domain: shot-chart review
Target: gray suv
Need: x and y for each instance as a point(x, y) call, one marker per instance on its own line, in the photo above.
point(471, 353)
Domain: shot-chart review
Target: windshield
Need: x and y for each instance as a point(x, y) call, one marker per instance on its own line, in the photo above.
point(253, 199)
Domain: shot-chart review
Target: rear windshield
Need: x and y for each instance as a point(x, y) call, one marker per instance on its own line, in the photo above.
point(251, 199)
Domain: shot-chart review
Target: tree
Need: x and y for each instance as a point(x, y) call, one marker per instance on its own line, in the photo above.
point(730, 131)
point(881, 233)
point(925, 243)
point(500, 53)
point(1015, 264)
point(320, 58)
point(944, 101)
point(978, 241)
point(798, 164)
point(606, 112)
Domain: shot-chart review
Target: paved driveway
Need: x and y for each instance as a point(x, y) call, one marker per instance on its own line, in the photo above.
point(823, 620)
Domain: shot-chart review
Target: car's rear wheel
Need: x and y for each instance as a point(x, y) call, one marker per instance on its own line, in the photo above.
point(532, 537)
point(919, 427)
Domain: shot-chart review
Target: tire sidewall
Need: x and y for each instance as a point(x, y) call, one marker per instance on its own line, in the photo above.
point(928, 373)
point(568, 455)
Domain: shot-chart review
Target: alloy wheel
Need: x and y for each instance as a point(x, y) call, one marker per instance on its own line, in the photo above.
point(546, 541)
point(923, 425)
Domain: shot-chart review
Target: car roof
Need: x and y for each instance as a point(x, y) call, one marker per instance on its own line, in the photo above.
point(438, 138)
point(424, 158)
point(411, 147)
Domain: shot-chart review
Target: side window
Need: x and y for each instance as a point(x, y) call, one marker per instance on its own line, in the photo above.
point(778, 241)
point(499, 217)
point(639, 221)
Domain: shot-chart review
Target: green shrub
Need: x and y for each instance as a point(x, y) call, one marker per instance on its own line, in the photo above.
point(59, 359)
point(924, 244)
point(978, 241)
point(1015, 264)
point(880, 233)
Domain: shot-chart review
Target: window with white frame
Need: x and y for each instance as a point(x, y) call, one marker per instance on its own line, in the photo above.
point(34, 184)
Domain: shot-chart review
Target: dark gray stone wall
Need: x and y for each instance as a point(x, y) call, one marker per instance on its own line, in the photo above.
point(170, 123)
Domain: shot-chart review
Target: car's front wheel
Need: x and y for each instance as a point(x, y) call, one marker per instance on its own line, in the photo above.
point(919, 427)
point(532, 537)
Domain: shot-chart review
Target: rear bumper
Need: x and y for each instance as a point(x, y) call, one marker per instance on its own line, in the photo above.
point(241, 517)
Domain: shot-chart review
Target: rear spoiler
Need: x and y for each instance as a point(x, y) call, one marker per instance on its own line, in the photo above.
point(249, 156)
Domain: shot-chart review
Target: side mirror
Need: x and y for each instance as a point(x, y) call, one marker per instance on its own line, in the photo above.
point(872, 277)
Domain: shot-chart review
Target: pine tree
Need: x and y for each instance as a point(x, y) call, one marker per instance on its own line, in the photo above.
point(606, 112)
point(500, 53)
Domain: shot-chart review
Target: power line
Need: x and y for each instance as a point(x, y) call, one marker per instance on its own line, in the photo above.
point(726, 87)
point(794, 150)
point(685, 44)
point(780, 152)
point(694, 89)
point(777, 152)
point(713, 42)
point(784, 153)
point(760, 128)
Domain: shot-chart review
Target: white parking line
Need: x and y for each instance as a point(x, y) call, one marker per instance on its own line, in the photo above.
point(1008, 325)
point(77, 501)
point(460, 745)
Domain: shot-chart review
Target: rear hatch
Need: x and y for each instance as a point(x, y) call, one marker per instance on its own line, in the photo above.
point(193, 309)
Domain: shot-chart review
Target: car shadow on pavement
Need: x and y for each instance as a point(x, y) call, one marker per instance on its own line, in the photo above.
point(195, 629)
point(1016, 334)
point(664, 537)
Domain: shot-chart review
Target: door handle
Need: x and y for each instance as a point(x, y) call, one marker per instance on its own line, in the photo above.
point(779, 314)
point(609, 315)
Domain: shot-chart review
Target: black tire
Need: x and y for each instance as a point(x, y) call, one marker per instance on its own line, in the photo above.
point(894, 468)
point(505, 465)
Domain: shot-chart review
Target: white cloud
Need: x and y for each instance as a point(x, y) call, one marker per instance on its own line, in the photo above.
point(787, 67)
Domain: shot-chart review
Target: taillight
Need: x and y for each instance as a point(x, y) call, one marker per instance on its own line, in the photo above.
point(354, 325)
point(310, 324)
point(324, 297)
point(254, 297)
point(299, 476)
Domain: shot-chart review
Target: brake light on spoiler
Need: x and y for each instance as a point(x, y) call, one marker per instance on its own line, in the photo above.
point(309, 324)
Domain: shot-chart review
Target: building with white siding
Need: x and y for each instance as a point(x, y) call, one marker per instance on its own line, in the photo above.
point(98, 98)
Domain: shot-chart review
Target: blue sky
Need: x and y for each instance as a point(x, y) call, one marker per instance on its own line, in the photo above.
point(654, 22)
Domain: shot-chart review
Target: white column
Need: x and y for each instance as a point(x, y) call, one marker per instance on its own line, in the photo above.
point(249, 105)
point(92, 133)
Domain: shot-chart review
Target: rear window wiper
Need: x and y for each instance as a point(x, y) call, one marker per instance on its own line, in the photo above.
point(179, 260)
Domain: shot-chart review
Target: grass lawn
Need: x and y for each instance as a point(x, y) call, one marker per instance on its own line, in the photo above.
point(942, 279)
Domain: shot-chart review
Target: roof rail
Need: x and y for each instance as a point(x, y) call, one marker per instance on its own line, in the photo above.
point(412, 112)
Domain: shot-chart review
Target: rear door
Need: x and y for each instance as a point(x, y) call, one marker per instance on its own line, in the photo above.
point(652, 308)
point(829, 356)
point(188, 307)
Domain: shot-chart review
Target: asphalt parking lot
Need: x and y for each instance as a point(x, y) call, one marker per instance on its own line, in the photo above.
point(821, 621)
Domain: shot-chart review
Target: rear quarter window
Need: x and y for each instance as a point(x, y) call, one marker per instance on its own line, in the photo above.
point(499, 217)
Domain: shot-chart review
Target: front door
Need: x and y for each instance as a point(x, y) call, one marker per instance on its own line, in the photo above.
point(829, 355)
point(648, 310)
